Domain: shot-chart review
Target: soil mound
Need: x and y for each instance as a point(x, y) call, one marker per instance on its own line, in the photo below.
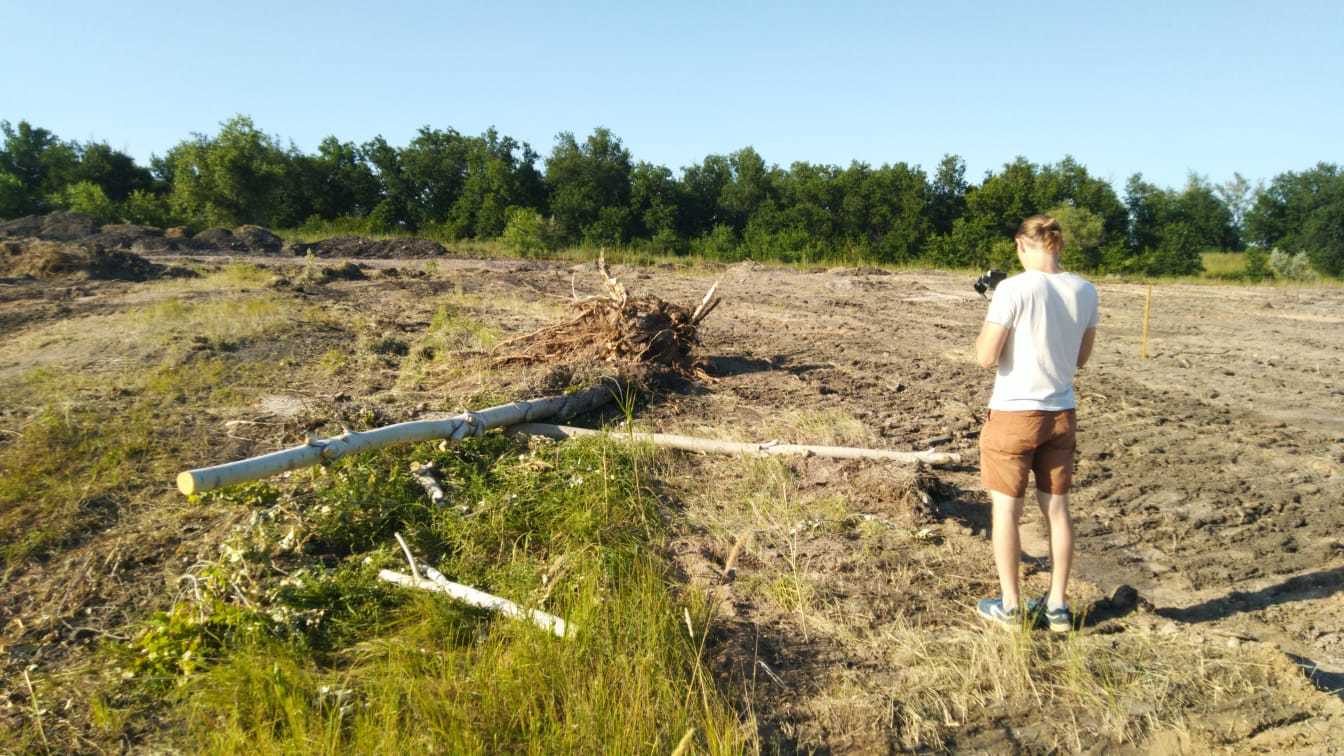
point(51, 227)
point(217, 239)
point(50, 260)
point(355, 246)
point(128, 236)
point(258, 239)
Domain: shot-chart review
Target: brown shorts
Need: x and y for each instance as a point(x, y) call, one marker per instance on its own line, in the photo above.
point(1013, 444)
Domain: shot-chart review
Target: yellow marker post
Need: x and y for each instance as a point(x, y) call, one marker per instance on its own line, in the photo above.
point(1147, 309)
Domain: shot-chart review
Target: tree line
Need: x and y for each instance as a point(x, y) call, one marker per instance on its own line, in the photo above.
point(731, 206)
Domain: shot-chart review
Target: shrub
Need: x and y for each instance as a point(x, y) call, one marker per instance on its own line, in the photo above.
point(527, 233)
point(1177, 253)
point(147, 209)
point(88, 198)
point(1257, 263)
point(383, 218)
point(1003, 256)
point(1290, 266)
point(720, 244)
point(968, 245)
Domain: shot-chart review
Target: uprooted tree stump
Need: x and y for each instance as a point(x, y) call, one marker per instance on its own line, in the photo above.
point(615, 327)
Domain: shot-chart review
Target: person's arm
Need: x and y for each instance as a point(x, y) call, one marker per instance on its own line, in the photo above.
point(1085, 349)
point(999, 321)
point(989, 344)
point(1089, 333)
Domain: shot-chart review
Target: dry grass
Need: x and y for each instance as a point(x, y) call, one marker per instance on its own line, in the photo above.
point(895, 599)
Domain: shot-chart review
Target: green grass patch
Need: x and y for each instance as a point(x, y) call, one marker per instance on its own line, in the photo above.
point(74, 464)
point(293, 645)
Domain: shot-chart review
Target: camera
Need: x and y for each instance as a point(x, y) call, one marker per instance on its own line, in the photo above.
point(988, 281)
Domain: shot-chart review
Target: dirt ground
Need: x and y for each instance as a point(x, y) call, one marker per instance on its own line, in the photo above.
point(1210, 475)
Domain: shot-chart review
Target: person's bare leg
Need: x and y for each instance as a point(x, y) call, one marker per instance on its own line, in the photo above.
point(1007, 546)
point(1056, 508)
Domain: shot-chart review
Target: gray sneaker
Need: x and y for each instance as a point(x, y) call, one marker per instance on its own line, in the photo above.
point(992, 610)
point(1058, 620)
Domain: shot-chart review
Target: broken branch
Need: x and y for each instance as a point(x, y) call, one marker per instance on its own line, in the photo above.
point(437, 583)
point(714, 446)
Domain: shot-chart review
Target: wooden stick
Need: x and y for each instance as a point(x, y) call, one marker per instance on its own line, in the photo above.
point(350, 442)
point(439, 584)
point(713, 446)
point(1147, 308)
point(700, 311)
point(415, 571)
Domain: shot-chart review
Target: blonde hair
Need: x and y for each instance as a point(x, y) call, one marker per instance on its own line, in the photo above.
point(1042, 230)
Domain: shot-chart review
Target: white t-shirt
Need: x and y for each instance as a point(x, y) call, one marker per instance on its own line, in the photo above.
point(1046, 314)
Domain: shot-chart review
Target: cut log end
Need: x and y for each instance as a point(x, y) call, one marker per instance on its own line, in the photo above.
point(186, 483)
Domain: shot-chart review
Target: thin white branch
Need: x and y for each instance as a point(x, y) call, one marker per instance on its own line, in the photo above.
point(439, 584)
point(714, 446)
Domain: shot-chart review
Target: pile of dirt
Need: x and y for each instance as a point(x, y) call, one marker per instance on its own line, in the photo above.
point(50, 227)
point(133, 238)
point(51, 260)
point(355, 246)
point(258, 239)
point(616, 328)
point(245, 239)
point(129, 237)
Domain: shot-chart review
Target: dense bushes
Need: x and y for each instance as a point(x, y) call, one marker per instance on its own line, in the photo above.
point(735, 206)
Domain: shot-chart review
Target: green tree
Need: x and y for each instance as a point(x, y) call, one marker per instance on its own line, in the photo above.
point(589, 187)
point(701, 186)
point(340, 181)
point(240, 175)
point(393, 211)
point(948, 193)
point(13, 195)
point(749, 186)
point(1299, 212)
point(41, 162)
point(500, 173)
point(1323, 236)
point(884, 212)
point(113, 170)
point(656, 202)
point(1083, 236)
point(1238, 195)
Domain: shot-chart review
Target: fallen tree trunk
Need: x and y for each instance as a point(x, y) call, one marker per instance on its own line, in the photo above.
point(713, 446)
point(350, 442)
point(437, 583)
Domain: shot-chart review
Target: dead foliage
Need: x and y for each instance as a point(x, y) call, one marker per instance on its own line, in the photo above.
point(615, 327)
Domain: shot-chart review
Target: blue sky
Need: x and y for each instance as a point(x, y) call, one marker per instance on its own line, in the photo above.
point(1161, 88)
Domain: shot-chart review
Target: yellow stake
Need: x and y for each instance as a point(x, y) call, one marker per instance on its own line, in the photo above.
point(1147, 308)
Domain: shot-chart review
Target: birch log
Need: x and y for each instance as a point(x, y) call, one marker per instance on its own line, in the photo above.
point(350, 442)
point(714, 446)
point(465, 593)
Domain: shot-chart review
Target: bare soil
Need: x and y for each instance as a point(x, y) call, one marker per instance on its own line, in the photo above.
point(1210, 475)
